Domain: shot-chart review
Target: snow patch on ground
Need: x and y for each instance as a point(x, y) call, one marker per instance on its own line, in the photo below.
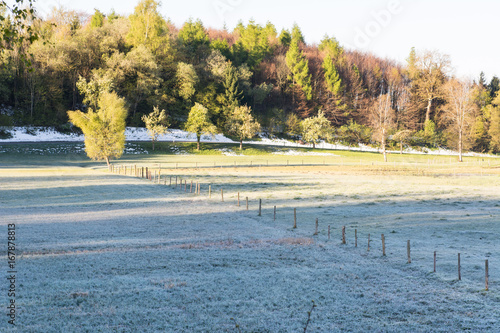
point(229, 152)
point(46, 134)
point(292, 152)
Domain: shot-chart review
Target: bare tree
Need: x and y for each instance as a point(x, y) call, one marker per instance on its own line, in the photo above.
point(460, 110)
point(382, 119)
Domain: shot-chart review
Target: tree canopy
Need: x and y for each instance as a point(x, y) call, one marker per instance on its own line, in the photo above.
point(150, 62)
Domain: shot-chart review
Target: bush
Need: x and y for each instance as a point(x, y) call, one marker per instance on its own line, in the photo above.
point(5, 134)
point(68, 128)
point(6, 120)
point(354, 134)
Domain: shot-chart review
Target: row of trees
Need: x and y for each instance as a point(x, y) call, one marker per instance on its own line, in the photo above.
point(253, 72)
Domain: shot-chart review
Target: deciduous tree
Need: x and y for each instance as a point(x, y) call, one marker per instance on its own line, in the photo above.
point(316, 128)
point(241, 124)
point(428, 72)
point(382, 119)
point(104, 128)
point(459, 111)
point(187, 79)
point(199, 123)
point(156, 123)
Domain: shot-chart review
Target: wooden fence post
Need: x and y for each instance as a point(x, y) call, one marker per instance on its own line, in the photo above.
point(355, 237)
point(247, 203)
point(260, 207)
point(328, 232)
point(343, 235)
point(459, 272)
point(238, 199)
point(295, 218)
point(486, 273)
point(185, 185)
point(383, 245)
point(191, 188)
point(274, 213)
point(408, 251)
point(222, 195)
point(368, 242)
point(316, 228)
point(435, 254)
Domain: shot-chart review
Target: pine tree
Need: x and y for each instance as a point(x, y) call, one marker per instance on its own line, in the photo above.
point(104, 128)
point(297, 34)
point(332, 77)
point(299, 69)
point(195, 41)
point(285, 38)
point(232, 92)
point(97, 19)
point(199, 123)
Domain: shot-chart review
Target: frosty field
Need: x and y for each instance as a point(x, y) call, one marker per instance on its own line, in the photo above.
point(104, 252)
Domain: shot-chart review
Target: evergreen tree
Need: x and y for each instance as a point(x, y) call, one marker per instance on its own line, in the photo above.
point(332, 77)
point(195, 41)
point(232, 92)
point(494, 86)
point(297, 35)
point(285, 38)
point(253, 43)
point(97, 19)
point(299, 69)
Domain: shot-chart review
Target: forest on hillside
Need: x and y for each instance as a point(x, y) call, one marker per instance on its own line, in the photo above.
point(283, 81)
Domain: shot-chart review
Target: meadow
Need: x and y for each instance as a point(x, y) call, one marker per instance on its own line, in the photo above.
point(105, 252)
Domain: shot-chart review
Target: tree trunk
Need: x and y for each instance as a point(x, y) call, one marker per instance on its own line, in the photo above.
point(153, 144)
point(460, 146)
point(383, 145)
point(198, 137)
point(107, 161)
point(314, 145)
point(428, 110)
point(401, 147)
point(241, 144)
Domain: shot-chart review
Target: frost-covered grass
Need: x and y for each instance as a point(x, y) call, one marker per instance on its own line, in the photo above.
point(112, 253)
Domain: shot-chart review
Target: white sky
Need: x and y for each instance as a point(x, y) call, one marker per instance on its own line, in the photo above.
point(465, 30)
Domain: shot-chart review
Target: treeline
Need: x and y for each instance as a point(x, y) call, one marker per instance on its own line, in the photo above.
point(151, 63)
